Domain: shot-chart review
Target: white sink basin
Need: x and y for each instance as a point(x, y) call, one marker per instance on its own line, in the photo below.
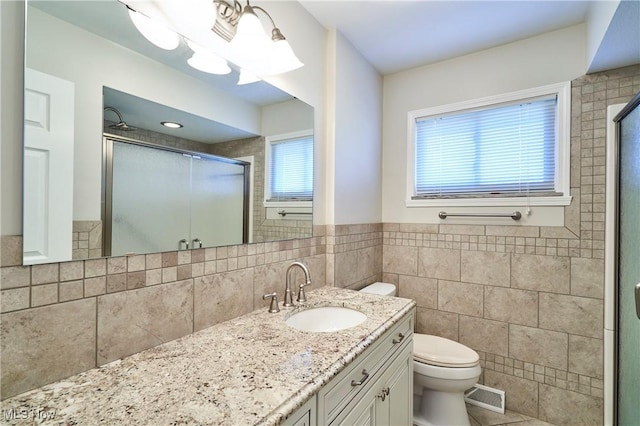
point(326, 319)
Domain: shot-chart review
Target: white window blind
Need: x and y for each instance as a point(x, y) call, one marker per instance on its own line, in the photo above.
point(502, 150)
point(291, 171)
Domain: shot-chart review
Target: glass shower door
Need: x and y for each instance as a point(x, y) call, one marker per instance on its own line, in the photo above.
point(150, 206)
point(628, 386)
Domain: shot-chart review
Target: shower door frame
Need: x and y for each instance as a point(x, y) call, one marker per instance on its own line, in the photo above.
point(107, 183)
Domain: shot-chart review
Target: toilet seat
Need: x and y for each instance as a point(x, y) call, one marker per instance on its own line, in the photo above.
point(438, 351)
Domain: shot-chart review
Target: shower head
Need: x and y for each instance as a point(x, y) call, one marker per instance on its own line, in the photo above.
point(121, 124)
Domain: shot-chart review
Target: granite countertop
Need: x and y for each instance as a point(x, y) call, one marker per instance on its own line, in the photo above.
point(253, 369)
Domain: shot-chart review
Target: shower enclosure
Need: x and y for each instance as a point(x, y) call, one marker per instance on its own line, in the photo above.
point(162, 199)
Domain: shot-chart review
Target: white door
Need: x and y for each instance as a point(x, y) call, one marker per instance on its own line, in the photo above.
point(48, 168)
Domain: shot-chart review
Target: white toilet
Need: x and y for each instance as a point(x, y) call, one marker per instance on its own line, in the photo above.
point(442, 371)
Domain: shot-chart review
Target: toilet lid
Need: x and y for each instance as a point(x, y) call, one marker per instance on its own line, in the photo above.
point(443, 352)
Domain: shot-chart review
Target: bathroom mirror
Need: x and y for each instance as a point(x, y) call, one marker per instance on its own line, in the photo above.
point(85, 56)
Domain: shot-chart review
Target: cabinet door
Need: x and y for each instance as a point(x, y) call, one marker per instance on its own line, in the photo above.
point(397, 408)
point(364, 412)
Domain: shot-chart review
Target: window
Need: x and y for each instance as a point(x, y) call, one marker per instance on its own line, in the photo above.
point(492, 151)
point(289, 174)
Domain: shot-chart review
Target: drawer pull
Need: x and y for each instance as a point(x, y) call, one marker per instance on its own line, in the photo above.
point(365, 376)
point(400, 339)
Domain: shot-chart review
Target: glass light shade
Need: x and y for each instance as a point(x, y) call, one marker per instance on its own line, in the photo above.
point(251, 43)
point(282, 58)
point(209, 62)
point(246, 77)
point(155, 32)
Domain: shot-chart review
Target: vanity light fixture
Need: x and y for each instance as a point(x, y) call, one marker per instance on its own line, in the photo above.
point(206, 61)
point(243, 29)
point(153, 31)
point(171, 124)
point(246, 77)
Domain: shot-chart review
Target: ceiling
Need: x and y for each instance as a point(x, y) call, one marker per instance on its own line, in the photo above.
point(401, 34)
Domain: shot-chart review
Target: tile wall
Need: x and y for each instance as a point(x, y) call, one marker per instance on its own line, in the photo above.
point(528, 299)
point(63, 318)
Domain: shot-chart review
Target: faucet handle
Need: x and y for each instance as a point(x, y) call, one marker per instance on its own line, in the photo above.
point(273, 306)
point(301, 296)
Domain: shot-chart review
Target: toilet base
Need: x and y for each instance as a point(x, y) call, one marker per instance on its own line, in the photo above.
point(435, 408)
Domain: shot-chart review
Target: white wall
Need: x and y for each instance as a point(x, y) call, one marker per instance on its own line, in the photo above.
point(286, 117)
point(550, 58)
point(357, 136)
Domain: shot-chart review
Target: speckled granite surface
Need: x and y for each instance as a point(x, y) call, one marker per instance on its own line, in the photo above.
point(251, 370)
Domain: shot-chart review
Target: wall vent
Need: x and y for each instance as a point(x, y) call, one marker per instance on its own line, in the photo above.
point(486, 397)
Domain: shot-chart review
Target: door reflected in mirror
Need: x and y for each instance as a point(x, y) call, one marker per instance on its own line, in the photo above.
point(92, 56)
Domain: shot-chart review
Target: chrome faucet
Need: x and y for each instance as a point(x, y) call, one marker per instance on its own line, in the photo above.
point(288, 293)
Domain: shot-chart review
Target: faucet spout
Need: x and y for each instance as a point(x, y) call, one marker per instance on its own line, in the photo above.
point(288, 292)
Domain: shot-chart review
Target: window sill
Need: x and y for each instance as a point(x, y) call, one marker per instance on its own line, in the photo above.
point(491, 202)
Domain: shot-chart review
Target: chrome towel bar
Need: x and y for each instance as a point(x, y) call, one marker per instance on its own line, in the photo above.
point(515, 215)
point(284, 213)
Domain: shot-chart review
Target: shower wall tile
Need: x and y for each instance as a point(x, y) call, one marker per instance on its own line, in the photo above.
point(541, 273)
point(474, 270)
point(10, 250)
point(70, 271)
point(43, 274)
point(14, 299)
point(46, 294)
point(136, 320)
point(71, 290)
point(577, 315)
point(538, 346)
point(15, 276)
point(438, 263)
point(41, 345)
point(511, 305)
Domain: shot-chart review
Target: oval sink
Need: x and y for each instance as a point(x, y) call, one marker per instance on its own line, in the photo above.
point(326, 319)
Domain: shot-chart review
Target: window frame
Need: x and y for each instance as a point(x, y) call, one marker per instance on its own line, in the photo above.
point(268, 142)
point(562, 149)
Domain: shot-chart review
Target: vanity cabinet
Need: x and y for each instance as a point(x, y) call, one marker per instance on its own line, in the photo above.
point(377, 388)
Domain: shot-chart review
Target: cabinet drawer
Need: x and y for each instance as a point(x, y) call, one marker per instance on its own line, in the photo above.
point(339, 392)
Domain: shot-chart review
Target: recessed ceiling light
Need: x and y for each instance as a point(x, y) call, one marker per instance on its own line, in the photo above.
point(171, 124)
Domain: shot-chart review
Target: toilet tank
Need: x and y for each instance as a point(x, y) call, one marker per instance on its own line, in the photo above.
point(382, 289)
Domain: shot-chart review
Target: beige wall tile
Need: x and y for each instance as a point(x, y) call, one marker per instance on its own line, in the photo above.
point(564, 407)
point(437, 323)
point(116, 282)
point(153, 276)
point(462, 229)
point(132, 321)
point(438, 263)
point(417, 227)
point(116, 265)
point(484, 335)
point(543, 347)
point(542, 273)
point(15, 276)
point(400, 260)
point(571, 314)
point(137, 279)
point(511, 305)
point(153, 261)
point(95, 268)
point(71, 271)
point(486, 267)
point(369, 262)
point(44, 274)
point(71, 290)
point(44, 294)
point(522, 394)
point(169, 274)
point(95, 286)
point(222, 297)
point(10, 250)
point(14, 299)
point(169, 259)
point(346, 268)
point(423, 290)
point(41, 345)
point(461, 298)
point(587, 277)
point(512, 231)
point(136, 263)
point(586, 356)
